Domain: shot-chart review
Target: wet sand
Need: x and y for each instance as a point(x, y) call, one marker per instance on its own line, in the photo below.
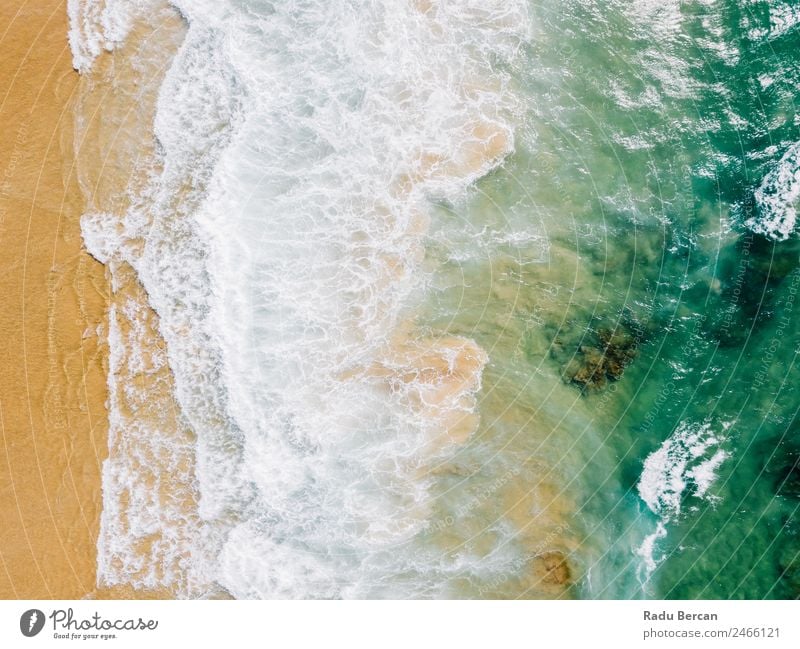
point(52, 383)
point(149, 519)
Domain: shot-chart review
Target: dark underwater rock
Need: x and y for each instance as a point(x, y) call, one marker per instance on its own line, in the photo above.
point(784, 467)
point(553, 568)
point(751, 272)
point(593, 366)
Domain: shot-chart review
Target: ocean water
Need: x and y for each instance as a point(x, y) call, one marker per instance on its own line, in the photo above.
point(452, 298)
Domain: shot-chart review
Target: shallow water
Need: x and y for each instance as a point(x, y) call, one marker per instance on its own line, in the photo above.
point(475, 299)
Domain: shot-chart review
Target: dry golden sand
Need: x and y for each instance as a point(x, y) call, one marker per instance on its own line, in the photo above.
point(52, 381)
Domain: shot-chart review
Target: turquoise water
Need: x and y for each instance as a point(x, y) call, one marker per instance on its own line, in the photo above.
point(648, 129)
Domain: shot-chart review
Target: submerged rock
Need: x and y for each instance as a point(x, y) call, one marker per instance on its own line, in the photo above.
point(553, 568)
point(594, 365)
point(790, 484)
point(785, 470)
point(751, 272)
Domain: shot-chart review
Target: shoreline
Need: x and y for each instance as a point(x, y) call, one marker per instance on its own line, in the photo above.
point(53, 389)
point(148, 503)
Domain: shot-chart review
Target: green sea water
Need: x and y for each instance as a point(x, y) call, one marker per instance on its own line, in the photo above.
point(645, 132)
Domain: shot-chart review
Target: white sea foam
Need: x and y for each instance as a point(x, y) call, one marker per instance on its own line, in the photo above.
point(681, 466)
point(646, 551)
point(279, 242)
point(783, 17)
point(149, 537)
point(778, 198)
point(704, 474)
point(100, 25)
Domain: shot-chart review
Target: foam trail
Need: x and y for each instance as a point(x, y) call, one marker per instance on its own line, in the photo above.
point(679, 465)
point(778, 197)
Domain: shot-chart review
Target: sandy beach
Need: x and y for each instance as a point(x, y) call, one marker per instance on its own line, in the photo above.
point(52, 388)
